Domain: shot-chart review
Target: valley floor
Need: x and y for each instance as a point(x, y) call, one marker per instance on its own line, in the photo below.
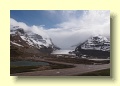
point(77, 70)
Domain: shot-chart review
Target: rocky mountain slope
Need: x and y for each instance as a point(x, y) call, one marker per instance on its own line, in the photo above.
point(97, 45)
point(24, 42)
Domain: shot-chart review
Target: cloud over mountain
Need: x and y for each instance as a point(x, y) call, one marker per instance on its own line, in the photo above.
point(75, 27)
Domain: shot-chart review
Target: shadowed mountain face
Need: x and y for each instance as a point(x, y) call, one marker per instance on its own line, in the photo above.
point(27, 42)
point(95, 46)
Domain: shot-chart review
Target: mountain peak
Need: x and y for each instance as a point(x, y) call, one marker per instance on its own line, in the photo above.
point(96, 43)
point(30, 39)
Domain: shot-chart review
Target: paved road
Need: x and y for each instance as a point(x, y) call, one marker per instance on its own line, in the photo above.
point(78, 69)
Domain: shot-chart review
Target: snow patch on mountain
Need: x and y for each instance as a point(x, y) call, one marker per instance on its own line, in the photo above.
point(31, 38)
point(61, 52)
point(96, 43)
point(16, 44)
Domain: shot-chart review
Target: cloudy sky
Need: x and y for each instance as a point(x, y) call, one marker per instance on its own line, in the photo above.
point(65, 27)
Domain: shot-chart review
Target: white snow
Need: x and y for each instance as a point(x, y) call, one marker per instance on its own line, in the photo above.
point(61, 51)
point(16, 44)
point(30, 40)
point(97, 43)
point(12, 32)
point(29, 36)
point(23, 37)
point(44, 41)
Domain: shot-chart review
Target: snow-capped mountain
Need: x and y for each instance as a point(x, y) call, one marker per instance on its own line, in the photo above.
point(28, 39)
point(97, 45)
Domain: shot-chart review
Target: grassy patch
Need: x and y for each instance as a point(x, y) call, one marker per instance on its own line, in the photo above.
point(105, 72)
point(20, 69)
